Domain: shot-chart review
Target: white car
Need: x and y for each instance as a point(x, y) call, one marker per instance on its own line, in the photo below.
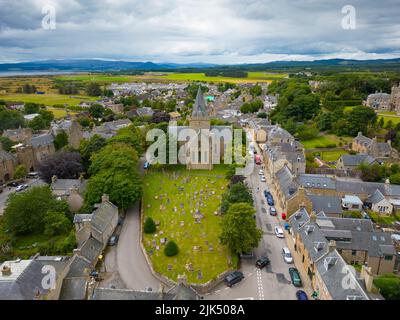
point(287, 256)
point(22, 187)
point(261, 172)
point(279, 232)
point(262, 179)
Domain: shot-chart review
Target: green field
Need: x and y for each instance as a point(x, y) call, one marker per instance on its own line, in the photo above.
point(60, 113)
point(47, 99)
point(325, 141)
point(170, 76)
point(175, 188)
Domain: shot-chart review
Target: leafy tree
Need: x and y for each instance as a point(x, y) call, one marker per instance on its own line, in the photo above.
point(256, 91)
point(149, 226)
point(236, 179)
point(56, 223)
point(239, 229)
point(96, 111)
point(88, 147)
point(84, 121)
point(93, 89)
point(61, 140)
point(31, 108)
point(159, 117)
point(25, 211)
point(395, 178)
point(37, 123)
point(47, 116)
point(11, 119)
point(63, 164)
point(171, 249)
point(131, 136)
point(238, 193)
point(389, 286)
point(359, 119)
point(20, 172)
point(6, 143)
point(262, 115)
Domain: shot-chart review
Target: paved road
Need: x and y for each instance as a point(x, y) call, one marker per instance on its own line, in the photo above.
point(7, 191)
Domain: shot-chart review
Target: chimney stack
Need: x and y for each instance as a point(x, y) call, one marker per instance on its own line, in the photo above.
point(105, 198)
point(313, 217)
point(53, 179)
point(6, 271)
point(332, 245)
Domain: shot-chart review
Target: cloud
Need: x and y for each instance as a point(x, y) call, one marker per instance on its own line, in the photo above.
point(220, 31)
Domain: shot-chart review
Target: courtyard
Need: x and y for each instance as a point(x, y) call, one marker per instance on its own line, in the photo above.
point(185, 206)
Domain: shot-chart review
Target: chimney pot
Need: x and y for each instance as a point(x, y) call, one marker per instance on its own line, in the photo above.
point(105, 198)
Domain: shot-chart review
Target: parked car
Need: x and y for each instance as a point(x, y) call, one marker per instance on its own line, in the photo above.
point(261, 172)
point(279, 232)
point(22, 187)
point(113, 241)
point(146, 165)
point(262, 262)
point(13, 184)
point(33, 175)
point(295, 277)
point(301, 295)
point(233, 278)
point(269, 198)
point(287, 256)
point(272, 211)
point(262, 179)
point(120, 221)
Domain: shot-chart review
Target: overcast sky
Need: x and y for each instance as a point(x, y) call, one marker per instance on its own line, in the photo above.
point(183, 31)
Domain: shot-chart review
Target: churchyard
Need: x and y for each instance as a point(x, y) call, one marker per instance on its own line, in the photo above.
point(185, 207)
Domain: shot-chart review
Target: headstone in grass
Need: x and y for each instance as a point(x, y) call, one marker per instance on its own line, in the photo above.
point(169, 267)
point(199, 275)
point(210, 248)
point(182, 224)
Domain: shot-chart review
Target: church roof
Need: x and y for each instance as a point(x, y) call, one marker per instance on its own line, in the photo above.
point(199, 108)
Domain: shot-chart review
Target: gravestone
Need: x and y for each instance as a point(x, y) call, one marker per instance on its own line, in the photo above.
point(199, 275)
point(169, 267)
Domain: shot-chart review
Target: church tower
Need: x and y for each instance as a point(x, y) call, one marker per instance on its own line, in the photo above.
point(198, 121)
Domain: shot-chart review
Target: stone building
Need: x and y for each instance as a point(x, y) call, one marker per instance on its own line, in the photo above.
point(379, 101)
point(18, 135)
point(7, 165)
point(71, 190)
point(35, 150)
point(395, 98)
point(72, 128)
point(372, 147)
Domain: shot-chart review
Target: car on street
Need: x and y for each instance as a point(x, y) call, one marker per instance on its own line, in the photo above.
point(146, 165)
point(13, 184)
point(262, 178)
point(295, 277)
point(287, 256)
point(113, 241)
point(269, 198)
point(33, 175)
point(301, 295)
point(22, 187)
point(262, 262)
point(272, 211)
point(261, 172)
point(279, 232)
point(233, 278)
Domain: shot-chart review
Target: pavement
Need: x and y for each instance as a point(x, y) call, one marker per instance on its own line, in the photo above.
point(9, 190)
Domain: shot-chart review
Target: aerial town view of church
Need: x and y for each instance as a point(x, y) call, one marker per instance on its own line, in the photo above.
point(199, 150)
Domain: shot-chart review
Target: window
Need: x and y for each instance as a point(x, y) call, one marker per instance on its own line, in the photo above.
point(388, 258)
point(353, 252)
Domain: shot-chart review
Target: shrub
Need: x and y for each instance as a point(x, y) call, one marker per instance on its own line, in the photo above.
point(149, 226)
point(171, 249)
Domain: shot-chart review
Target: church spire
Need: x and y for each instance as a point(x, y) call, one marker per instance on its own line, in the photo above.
point(199, 108)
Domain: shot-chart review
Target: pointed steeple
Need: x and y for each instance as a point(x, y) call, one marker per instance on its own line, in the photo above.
point(199, 108)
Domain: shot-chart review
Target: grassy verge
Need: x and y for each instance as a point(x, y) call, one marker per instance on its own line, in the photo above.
point(47, 99)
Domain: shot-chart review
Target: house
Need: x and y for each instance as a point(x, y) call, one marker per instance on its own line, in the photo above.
point(289, 154)
point(321, 260)
point(23, 279)
point(99, 225)
point(372, 147)
point(355, 240)
point(109, 129)
point(8, 163)
point(350, 202)
point(18, 135)
point(329, 205)
point(72, 128)
point(31, 153)
point(174, 116)
point(351, 162)
point(71, 190)
point(116, 108)
point(145, 111)
point(378, 203)
point(379, 101)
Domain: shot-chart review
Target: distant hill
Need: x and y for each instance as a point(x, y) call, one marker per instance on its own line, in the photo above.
point(95, 65)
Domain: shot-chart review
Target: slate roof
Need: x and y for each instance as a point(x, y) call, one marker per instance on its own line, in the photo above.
point(101, 216)
point(286, 181)
point(316, 181)
point(67, 184)
point(41, 141)
point(74, 289)
point(327, 204)
point(376, 197)
point(6, 156)
point(355, 160)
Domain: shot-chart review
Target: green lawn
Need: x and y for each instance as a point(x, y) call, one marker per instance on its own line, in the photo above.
point(47, 99)
point(103, 78)
point(383, 219)
point(166, 185)
point(330, 156)
point(326, 141)
point(395, 119)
